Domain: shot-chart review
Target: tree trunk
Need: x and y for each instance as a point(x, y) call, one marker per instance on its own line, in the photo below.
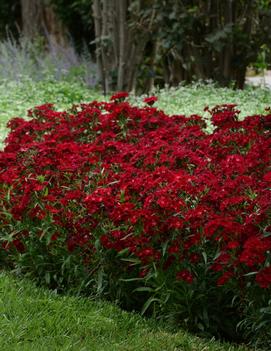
point(32, 12)
point(97, 15)
point(39, 20)
point(53, 27)
point(228, 50)
point(121, 10)
point(119, 45)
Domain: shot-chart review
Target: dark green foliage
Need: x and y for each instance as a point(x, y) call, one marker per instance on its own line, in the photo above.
point(76, 15)
point(9, 17)
point(210, 39)
point(186, 40)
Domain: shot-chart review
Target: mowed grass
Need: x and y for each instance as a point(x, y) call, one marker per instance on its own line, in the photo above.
point(35, 319)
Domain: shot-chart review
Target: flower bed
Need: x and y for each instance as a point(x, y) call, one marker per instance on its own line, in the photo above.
point(146, 209)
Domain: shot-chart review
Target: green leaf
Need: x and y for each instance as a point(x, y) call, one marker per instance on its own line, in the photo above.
point(123, 252)
point(249, 274)
point(144, 288)
point(148, 304)
point(122, 196)
point(130, 279)
point(204, 255)
point(132, 260)
point(164, 248)
point(47, 278)
point(100, 282)
point(97, 244)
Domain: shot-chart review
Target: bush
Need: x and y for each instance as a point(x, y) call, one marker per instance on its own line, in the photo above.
point(145, 209)
point(24, 59)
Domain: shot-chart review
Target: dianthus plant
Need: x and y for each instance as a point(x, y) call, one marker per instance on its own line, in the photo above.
point(142, 207)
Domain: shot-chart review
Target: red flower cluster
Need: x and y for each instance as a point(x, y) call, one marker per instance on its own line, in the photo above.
point(185, 275)
point(121, 95)
point(150, 100)
point(153, 186)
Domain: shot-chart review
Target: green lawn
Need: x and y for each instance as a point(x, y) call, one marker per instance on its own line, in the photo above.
point(35, 319)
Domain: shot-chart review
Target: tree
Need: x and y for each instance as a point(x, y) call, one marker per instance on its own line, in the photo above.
point(211, 39)
point(139, 43)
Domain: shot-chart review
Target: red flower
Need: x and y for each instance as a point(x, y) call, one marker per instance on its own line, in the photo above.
point(224, 278)
point(121, 95)
point(263, 278)
point(173, 249)
point(267, 177)
point(143, 273)
point(255, 249)
point(54, 237)
point(18, 245)
point(233, 245)
point(106, 242)
point(194, 258)
point(71, 244)
point(185, 275)
point(266, 121)
point(150, 100)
